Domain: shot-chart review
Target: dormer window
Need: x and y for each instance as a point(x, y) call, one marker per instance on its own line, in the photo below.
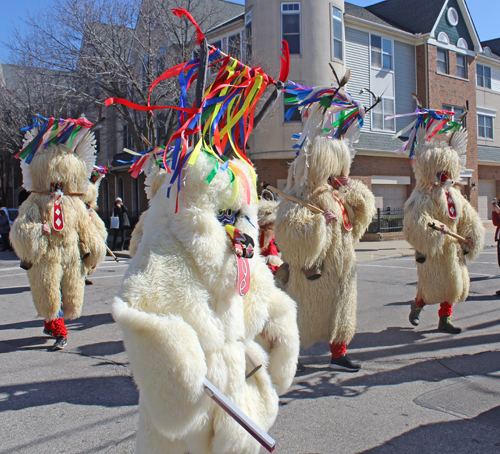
point(462, 43)
point(443, 38)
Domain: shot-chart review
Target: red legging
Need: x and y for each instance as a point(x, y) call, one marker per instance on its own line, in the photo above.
point(57, 327)
point(338, 349)
point(445, 309)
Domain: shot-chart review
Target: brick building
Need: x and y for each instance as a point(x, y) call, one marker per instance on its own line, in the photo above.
point(394, 48)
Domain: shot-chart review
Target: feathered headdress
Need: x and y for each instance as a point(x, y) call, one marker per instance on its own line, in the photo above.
point(98, 174)
point(74, 134)
point(224, 119)
point(330, 112)
point(433, 125)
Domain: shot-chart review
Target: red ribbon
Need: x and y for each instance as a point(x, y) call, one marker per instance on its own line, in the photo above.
point(179, 12)
point(285, 61)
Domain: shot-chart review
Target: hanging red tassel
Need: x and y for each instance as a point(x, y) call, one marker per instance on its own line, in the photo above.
point(285, 61)
point(179, 12)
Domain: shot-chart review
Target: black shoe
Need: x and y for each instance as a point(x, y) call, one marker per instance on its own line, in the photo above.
point(448, 327)
point(300, 367)
point(497, 293)
point(88, 282)
point(414, 316)
point(47, 332)
point(60, 343)
point(344, 363)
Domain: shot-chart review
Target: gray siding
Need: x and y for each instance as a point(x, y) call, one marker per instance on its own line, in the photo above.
point(358, 61)
point(405, 81)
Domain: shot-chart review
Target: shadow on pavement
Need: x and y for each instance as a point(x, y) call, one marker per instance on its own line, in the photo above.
point(461, 436)
point(84, 322)
point(14, 290)
point(102, 348)
point(114, 391)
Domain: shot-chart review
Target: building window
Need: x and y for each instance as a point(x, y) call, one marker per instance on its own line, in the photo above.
point(380, 112)
point(104, 194)
point(234, 46)
point(135, 198)
point(485, 126)
point(248, 36)
point(483, 76)
point(128, 140)
point(214, 68)
point(338, 34)
point(443, 38)
point(442, 61)
point(119, 187)
point(381, 49)
point(458, 111)
point(462, 66)
point(290, 26)
point(296, 116)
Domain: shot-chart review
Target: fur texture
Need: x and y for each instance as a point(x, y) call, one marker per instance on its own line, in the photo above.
point(57, 273)
point(154, 181)
point(327, 306)
point(183, 320)
point(443, 277)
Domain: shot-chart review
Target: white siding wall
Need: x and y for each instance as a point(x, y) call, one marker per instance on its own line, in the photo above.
point(495, 78)
point(405, 73)
point(358, 61)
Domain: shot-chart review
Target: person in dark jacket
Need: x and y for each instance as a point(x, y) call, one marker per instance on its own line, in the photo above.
point(495, 217)
point(120, 210)
point(4, 230)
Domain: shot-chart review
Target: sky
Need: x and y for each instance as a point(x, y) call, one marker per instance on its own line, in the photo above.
point(484, 13)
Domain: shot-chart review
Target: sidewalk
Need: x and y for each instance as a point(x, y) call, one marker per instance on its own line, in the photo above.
point(375, 250)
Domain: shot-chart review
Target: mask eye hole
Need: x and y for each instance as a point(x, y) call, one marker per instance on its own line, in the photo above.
point(229, 212)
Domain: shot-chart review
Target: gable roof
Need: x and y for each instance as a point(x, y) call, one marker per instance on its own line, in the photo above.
point(420, 17)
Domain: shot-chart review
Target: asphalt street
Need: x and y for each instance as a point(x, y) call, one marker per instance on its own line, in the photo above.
point(419, 391)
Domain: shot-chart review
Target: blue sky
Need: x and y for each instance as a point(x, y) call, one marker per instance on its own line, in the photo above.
point(484, 13)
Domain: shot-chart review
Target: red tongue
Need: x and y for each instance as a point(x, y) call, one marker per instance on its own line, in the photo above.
point(58, 223)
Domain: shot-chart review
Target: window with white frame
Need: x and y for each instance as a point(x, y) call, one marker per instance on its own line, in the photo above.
point(290, 26)
point(458, 111)
point(462, 66)
point(214, 68)
point(248, 36)
point(483, 76)
point(381, 51)
point(380, 112)
point(442, 61)
point(485, 126)
point(338, 34)
point(234, 46)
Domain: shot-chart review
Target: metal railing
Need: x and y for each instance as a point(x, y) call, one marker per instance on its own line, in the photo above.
point(390, 220)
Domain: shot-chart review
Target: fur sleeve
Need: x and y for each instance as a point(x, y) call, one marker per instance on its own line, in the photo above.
point(90, 236)
point(137, 234)
point(301, 235)
point(471, 226)
point(362, 202)
point(26, 233)
point(283, 353)
point(415, 226)
point(168, 364)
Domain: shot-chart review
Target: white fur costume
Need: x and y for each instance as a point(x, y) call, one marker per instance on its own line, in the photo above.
point(184, 320)
point(326, 307)
point(443, 277)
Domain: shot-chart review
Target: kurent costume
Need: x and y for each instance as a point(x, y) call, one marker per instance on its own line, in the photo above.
point(198, 298)
point(268, 208)
point(320, 254)
point(53, 225)
point(438, 147)
point(90, 200)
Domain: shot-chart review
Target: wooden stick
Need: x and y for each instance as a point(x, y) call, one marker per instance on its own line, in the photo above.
point(243, 420)
point(310, 206)
point(439, 228)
